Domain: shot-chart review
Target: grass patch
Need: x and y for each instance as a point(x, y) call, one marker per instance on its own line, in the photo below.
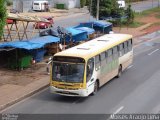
point(135, 24)
point(157, 23)
point(158, 16)
point(148, 12)
point(152, 25)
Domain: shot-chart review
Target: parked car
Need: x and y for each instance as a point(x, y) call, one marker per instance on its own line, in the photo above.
point(121, 3)
point(9, 21)
point(14, 11)
point(40, 6)
point(44, 25)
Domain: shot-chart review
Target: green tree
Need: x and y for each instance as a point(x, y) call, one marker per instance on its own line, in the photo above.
point(107, 8)
point(3, 16)
point(87, 2)
point(82, 3)
point(130, 14)
point(9, 2)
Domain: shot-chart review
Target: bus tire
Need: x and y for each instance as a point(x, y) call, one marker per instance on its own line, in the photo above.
point(119, 71)
point(96, 86)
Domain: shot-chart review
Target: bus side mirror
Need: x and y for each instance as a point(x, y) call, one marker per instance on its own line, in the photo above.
point(49, 61)
point(48, 65)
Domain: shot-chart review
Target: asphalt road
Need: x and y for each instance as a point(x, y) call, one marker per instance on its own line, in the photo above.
point(68, 21)
point(137, 91)
point(73, 20)
point(144, 5)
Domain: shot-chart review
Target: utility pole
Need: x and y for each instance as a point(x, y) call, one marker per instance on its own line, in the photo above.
point(90, 7)
point(97, 15)
point(158, 3)
point(90, 10)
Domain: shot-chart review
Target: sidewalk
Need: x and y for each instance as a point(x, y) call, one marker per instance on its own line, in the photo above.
point(58, 12)
point(16, 86)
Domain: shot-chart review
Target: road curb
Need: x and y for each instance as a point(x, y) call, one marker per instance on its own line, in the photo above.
point(2, 107)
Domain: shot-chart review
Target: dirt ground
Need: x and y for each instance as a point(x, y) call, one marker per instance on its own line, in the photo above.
point(151, 24)
point(22, 77)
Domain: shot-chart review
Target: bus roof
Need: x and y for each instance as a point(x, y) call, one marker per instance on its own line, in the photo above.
point(95, 46)
point(40, 1)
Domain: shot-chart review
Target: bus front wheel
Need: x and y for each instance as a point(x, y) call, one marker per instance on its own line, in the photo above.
point(95, 88)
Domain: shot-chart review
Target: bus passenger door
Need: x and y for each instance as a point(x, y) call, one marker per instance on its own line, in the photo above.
point(90, 75)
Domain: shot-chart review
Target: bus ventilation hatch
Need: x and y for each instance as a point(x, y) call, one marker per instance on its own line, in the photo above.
point(103, 40)
point(83, 48)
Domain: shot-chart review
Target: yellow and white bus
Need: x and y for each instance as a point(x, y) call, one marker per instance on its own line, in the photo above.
point(81, 70)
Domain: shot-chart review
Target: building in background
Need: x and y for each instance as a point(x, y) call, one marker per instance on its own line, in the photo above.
point(68, 3)
point(26, 5)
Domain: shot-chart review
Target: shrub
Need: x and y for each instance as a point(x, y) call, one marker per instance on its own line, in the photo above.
point(9, 2)
point(83, 3)
point(3, 16)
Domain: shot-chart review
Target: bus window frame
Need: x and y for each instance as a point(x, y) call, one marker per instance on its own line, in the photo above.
point(97, 62)
point(109, 55)
point(115, 53)
point(103, 56)
point(130, 45)
point(121, 49)
point(91, 71)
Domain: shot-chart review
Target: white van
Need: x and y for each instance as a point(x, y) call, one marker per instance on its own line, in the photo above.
point(40, 6)
point(121, 3)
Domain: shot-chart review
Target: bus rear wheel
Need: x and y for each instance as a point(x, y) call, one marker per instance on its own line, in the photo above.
point(95, 88)
point(119, 71)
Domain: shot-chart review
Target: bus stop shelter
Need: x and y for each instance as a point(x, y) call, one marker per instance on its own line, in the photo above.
point(77, 35)
point(90, 31)
point(22, 52)
point(99, 26)
point(19, 27)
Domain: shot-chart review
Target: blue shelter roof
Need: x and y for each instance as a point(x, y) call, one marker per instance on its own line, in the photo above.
point(98, 23)
point(74, 31)
point(77, 35)
point(31, 44)
point(102, 24)
point(86, 29)
point(44, 40)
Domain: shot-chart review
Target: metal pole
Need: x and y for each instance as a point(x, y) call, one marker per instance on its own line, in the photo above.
point(97, 15)
point(90, 7)
point(90, 11)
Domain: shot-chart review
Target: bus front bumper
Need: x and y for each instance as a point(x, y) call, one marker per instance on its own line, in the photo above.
point(79, 92)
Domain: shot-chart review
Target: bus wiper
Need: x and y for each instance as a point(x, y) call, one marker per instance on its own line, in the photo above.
point(68, 84)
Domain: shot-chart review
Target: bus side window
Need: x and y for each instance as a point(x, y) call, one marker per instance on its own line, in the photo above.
point(126, 47)
point(103, 56)
point(90, 68)
point(130, 45)
point(97, 62)
point(121, 50)
point(106, 56)
point(109, 56)
point(115, 52)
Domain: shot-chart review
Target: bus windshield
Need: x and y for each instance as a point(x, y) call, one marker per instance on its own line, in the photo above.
point(68, 72)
